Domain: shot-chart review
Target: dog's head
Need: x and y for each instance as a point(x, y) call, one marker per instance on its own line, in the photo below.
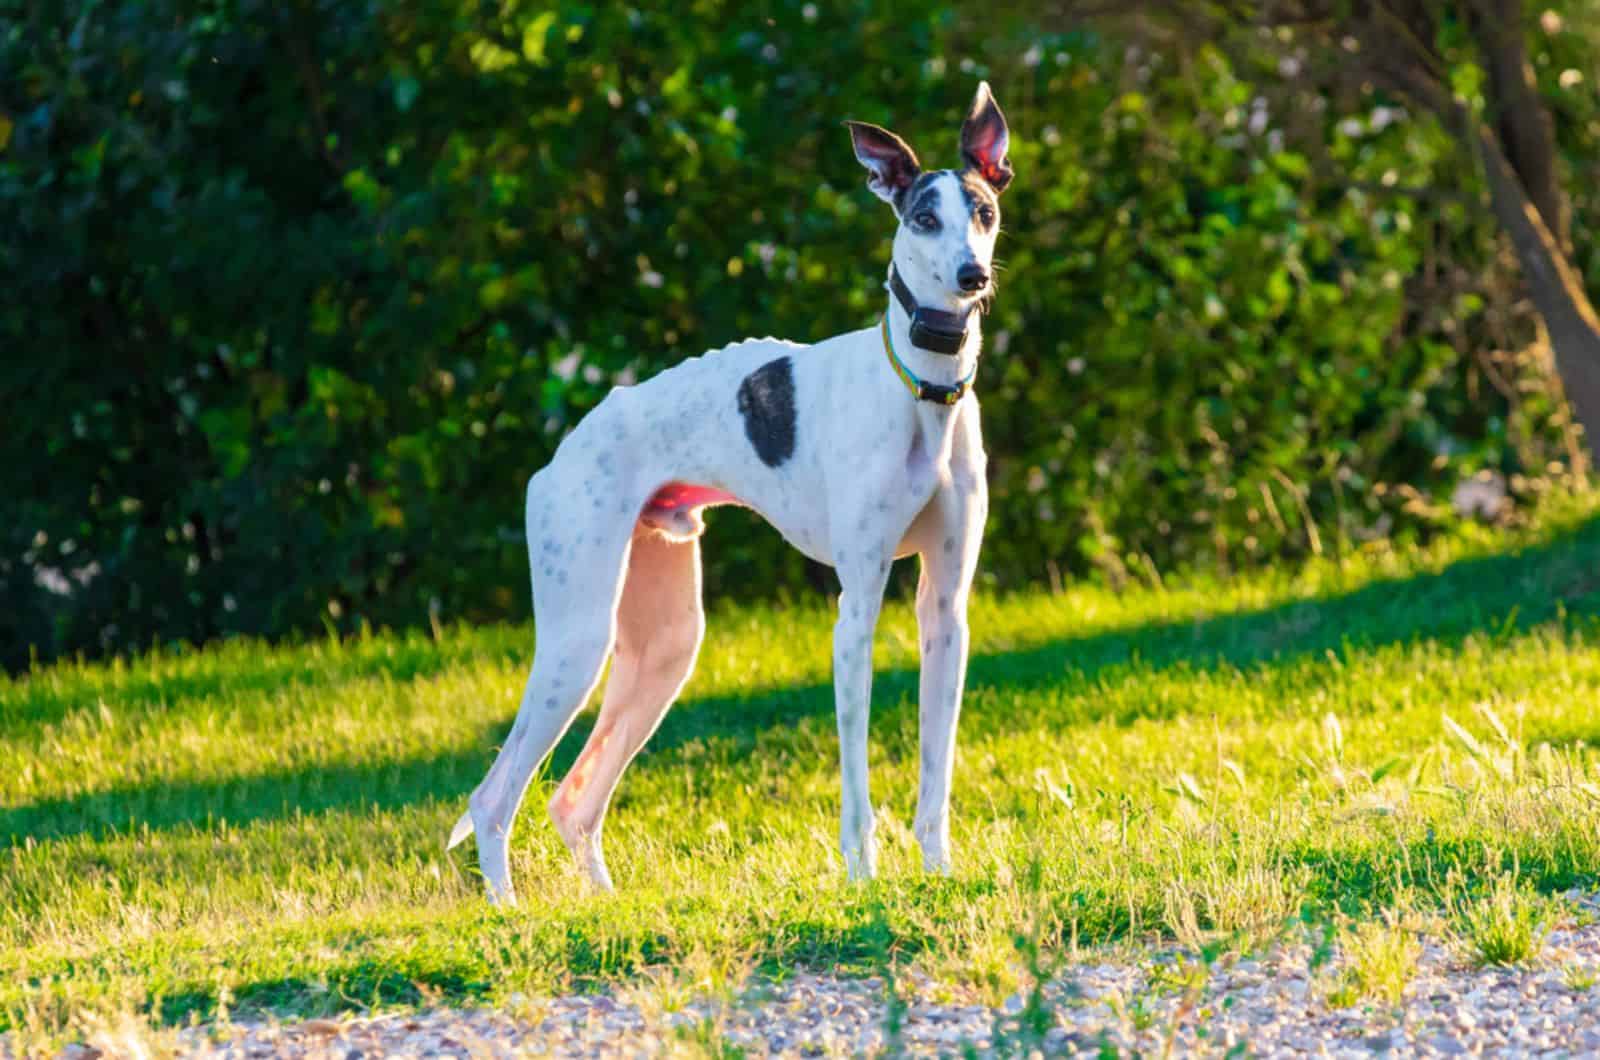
point(949, 218)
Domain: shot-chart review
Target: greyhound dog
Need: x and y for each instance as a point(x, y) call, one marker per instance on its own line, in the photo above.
point(859, 449)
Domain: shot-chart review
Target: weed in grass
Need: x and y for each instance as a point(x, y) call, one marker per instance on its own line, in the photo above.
point(1579, 978)
point(895, 1007)
point(1184, 976)
point(1021, 1025)
point(1249, 901)
point(1137, 1013)
point(1578, 916)
point(1179, 974)
point(127, 1033)
point(1502, 925)
point(1504, 757)
point(705, 1039)
point(969, 939)
point(1345, 993)
point(1380, 960)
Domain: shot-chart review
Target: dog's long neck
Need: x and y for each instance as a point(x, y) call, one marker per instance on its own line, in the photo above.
point(942, 368)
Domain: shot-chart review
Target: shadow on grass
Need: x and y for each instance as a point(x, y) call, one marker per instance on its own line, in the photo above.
point(37, 703)
point(467, 974)
point(1360, 877)
point(382, 785)
point(1494, 595)
point(367, 982)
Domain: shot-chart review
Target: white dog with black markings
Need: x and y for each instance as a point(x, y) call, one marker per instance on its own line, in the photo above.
point(859, 449)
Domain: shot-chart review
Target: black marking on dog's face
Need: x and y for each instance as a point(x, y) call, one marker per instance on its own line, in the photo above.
point(923, 215)
point(766, 401)
point(919, 204)
point(912, 193)
point(983, 205)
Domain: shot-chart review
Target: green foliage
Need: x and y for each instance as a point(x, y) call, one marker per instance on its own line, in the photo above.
point(298, 295)
point(267, 822)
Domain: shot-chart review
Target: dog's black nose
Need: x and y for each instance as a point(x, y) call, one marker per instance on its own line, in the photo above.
point(972, 277)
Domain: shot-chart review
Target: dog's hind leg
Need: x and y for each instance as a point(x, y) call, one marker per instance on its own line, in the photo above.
point(660, 622)
point(575, 608)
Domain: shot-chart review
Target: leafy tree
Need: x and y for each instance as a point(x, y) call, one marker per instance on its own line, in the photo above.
point(299, 294)
point(1467, 63)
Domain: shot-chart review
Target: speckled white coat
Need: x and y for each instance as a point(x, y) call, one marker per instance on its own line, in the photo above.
point(826, 442)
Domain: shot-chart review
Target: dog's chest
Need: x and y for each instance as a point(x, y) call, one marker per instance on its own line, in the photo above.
point(896, 470)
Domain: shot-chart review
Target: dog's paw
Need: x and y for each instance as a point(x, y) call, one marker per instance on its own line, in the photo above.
point(861, 865)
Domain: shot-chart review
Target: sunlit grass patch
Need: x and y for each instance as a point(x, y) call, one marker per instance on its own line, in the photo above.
point(1380, 961)
point(1206, 763)
point(1504, 923)
point(1579, 978)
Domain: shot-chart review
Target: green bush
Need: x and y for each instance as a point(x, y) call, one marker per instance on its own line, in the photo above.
point(300, 294)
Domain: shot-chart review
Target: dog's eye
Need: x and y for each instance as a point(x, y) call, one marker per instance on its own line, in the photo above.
point(986, 216)
point(925, 219)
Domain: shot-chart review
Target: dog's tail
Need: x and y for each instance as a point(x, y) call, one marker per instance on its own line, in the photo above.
point(462, 829)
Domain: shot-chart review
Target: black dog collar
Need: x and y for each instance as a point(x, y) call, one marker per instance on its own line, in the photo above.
point(931, 329)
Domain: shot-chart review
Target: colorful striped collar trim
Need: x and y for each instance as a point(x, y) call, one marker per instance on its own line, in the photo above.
point(937, 393)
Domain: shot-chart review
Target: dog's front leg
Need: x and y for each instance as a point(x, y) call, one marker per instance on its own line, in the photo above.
point(951, 535)
point(942, 627)
point(862, 579)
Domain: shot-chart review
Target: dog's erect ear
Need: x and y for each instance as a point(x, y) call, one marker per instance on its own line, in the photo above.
point(984, 139)
point(890, 161)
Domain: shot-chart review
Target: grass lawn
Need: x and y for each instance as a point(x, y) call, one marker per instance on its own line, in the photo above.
point(254, 827)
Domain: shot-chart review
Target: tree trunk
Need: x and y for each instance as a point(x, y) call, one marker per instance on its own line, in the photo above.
point(1520, 116)
point(1555, 285)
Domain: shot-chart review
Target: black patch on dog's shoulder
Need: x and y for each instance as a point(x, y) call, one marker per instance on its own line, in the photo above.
point(766, 401)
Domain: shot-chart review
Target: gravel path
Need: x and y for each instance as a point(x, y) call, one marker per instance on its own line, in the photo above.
point(1273, 1005)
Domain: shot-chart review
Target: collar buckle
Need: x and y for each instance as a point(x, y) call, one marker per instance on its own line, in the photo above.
point(940, 394)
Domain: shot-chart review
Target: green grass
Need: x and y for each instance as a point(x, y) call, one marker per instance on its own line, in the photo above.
point(1505, 924)
point(1381, 959)
point(262, 827)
